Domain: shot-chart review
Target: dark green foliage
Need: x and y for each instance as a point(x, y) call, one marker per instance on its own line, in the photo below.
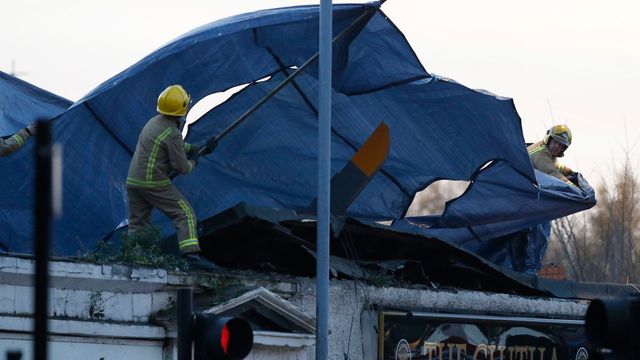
point(96, 305)
point(139, 248)
point(382, 279)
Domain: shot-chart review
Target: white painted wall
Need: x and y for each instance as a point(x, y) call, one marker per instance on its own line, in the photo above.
point(75, 348)
point(270, 353)
point(130, 296)
point(353, 323)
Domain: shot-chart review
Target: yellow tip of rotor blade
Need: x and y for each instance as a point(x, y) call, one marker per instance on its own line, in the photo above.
point(373, 152)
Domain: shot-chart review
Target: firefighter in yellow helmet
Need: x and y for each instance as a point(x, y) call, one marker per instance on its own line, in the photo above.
point(159, 152)
point(544, 154)
point(11, 144)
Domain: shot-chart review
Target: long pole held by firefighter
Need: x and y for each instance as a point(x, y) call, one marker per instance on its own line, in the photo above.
point(214, 140)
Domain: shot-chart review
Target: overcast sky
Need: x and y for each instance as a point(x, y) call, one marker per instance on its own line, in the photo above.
point(570, 61)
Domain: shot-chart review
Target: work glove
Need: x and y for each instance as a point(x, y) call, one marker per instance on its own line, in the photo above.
point(573, 177)
point(195, 157)
point(209, 146)
point(195, 149)
point(31, 129)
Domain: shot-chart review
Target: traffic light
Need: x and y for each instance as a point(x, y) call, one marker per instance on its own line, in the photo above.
point(615, 325)
point(215, 337)
point(218, 338)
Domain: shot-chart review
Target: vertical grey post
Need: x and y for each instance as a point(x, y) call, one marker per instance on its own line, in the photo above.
point(43, 212)
point(184, 316)
point(324, 181)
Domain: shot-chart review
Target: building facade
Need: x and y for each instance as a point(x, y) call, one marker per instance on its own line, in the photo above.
point(122, 312)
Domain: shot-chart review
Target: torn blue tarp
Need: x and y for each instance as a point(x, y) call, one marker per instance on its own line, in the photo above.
point(494, 216)
point(439, 129)
point(424, 118)
point(22, 104)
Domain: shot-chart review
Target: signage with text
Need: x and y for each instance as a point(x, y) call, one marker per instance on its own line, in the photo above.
point(436, 336)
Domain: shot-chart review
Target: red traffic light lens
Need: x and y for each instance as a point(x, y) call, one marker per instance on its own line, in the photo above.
point(224, 339)
point(221, 338)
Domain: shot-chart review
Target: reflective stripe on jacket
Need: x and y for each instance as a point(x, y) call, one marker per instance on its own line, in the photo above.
point(542, 160)
point(160, 151)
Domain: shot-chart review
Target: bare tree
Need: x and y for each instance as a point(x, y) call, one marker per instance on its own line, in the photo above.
point(616, 223)
point(602, 243)
point(571, 235)
point(431, 201)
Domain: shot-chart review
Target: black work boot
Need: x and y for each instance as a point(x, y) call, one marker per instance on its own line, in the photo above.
point(195, 261)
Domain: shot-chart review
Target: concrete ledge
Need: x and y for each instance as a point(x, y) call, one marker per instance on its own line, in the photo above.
point(91, 329)
point(84, 276)
point(119, 278)
point(278, 339)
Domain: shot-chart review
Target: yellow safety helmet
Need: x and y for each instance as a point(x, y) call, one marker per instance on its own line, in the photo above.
point(173, 101)
point(561, 133)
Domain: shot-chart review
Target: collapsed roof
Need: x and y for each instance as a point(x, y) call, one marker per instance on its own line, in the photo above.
point(247, 237)
point(439, 130)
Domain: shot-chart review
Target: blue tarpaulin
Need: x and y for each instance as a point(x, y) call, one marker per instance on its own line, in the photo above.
point(439, 129)
point(502, 205)
point(22, 104)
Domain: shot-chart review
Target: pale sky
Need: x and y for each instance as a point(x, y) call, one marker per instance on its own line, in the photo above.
point(570, 61)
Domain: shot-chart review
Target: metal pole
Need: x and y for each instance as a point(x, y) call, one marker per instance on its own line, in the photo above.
point(324, 180)
point(43, 212)
point(185, 324)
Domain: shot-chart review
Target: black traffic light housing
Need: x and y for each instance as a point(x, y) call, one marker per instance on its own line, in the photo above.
point(221, 337)
point(614, 324)
point(215, 337)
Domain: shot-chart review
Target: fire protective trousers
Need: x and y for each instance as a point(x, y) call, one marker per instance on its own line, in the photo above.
point(172, 203)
